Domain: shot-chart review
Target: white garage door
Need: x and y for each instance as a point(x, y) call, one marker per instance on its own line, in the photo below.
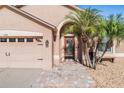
point(21, 52)
point(27, 53)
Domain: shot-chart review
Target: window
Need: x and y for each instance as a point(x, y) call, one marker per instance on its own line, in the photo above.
point(3, 39)
point(102, 46)
point(12, 40)
point(21, 40)
point(16, 39)
point(29, 40)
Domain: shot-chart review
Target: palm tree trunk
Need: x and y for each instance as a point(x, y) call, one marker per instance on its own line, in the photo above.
point(84, 54)
point(100, 58)
point(80, 49)
point(95, 56)
point(85, 49)
point(87, 60)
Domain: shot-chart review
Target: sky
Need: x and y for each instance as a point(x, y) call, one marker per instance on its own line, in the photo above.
point(106, 9)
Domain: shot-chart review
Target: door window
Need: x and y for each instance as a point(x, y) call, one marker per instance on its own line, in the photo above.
point(69, 47)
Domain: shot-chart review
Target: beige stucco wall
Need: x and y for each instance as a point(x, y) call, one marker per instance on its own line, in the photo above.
point(120, 48)
point(119, 52)
point(53, 14)
point(10, 20)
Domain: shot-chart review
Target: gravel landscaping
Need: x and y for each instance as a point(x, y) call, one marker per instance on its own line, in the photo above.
point(108, 75)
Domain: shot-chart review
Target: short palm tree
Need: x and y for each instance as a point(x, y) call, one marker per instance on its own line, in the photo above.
point(85, 23)
point(90, 28)
point(114, 31)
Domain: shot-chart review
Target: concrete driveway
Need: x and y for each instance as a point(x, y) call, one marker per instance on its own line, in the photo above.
point(18, 78)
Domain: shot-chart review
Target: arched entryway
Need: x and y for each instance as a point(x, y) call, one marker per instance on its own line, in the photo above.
point(68, 44)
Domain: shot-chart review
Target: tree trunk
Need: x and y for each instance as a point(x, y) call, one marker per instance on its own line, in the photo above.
point(80, 49)
point(89, 60)
point(95, 56)
point(100, 58)
point(86, 55)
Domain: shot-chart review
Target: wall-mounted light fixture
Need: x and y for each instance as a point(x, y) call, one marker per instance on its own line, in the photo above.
point(47, 43)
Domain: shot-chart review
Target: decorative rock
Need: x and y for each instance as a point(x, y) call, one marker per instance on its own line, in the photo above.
point(108, 75)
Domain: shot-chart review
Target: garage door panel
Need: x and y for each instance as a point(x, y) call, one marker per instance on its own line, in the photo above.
point(21, 55)
point(3, 55)
point(27, 55)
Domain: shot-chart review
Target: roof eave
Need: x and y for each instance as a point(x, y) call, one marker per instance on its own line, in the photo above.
point(72, 7)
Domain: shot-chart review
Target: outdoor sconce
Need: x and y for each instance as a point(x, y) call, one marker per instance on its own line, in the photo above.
point(47, 43)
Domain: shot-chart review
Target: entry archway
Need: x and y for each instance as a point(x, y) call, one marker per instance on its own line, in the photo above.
point(64, 41)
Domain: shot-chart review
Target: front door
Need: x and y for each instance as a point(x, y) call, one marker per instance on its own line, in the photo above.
point(69, 47)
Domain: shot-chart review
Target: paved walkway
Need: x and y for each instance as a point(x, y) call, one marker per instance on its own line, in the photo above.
point(67, 75)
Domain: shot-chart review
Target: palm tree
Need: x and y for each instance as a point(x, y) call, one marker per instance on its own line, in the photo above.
point(90, 29)
point(85, 24)
point(114, 28)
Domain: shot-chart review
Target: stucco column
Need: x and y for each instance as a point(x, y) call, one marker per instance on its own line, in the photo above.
point(57, 51)
point(58, 44)
point(76, 49)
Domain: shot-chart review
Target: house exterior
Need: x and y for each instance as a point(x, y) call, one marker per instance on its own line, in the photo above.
point(31, 36)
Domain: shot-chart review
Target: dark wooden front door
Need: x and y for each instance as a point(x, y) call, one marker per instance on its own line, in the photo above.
point(69, 47)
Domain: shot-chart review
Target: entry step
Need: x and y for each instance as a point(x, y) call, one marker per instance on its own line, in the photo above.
point(69, 60)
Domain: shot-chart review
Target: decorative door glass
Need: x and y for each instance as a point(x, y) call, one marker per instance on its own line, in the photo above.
point(69, 47)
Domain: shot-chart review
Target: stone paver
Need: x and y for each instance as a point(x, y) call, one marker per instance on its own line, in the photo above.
point(67, 75)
